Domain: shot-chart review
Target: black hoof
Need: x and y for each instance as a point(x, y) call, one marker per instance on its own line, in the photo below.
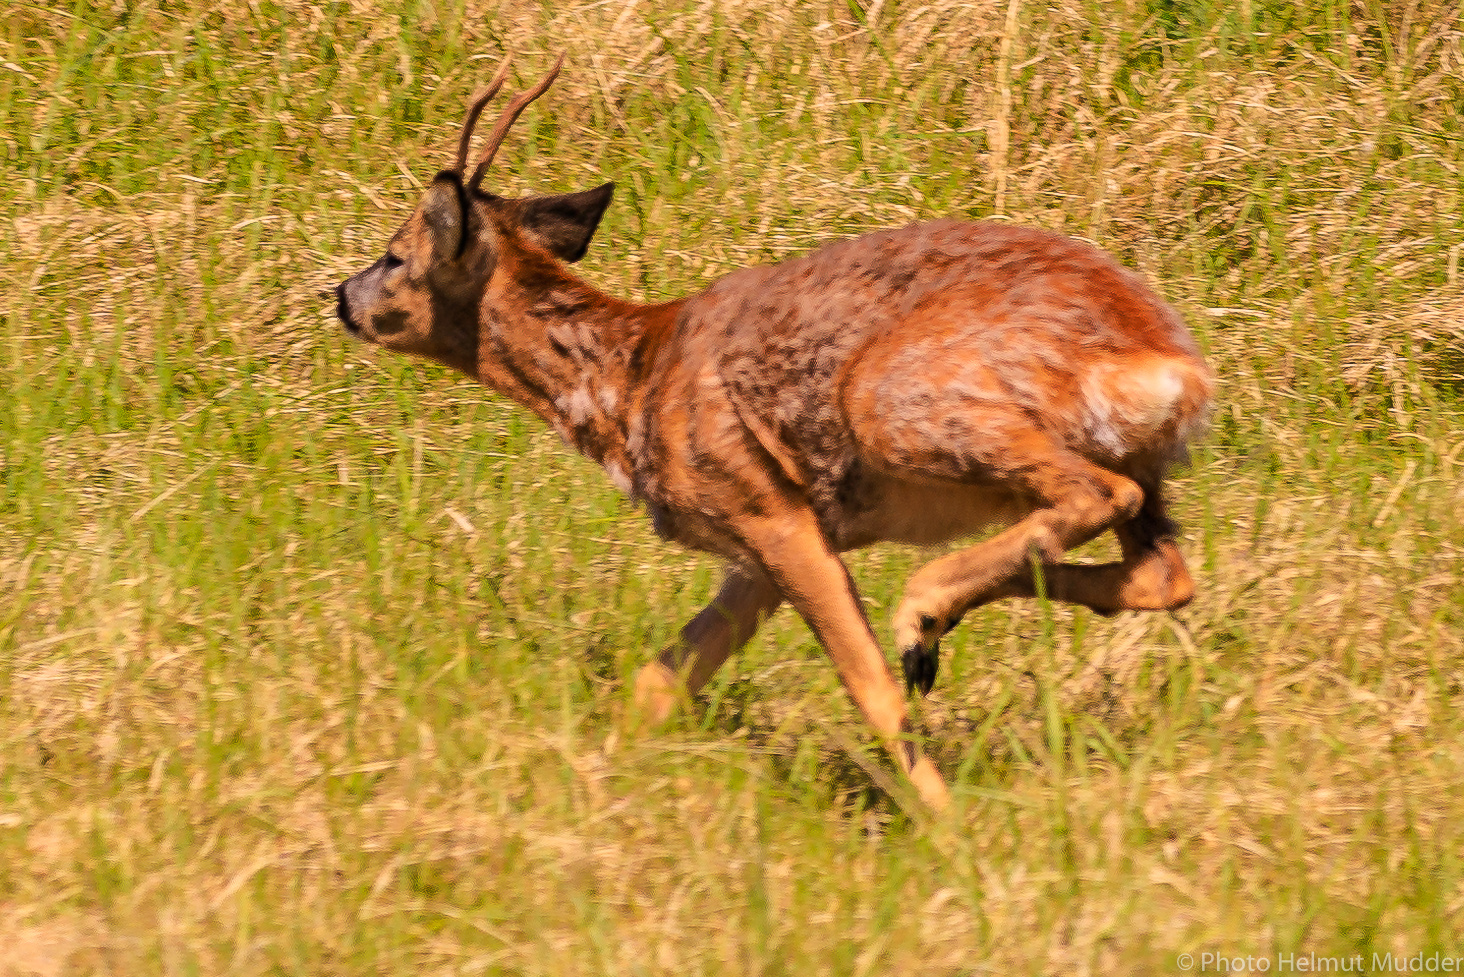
point(920, 666)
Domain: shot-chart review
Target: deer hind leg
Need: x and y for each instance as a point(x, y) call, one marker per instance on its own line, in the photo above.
point(747, 598)
point(1151, 576)
point(1078, 501)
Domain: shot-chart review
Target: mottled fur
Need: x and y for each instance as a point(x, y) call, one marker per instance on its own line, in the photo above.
point(915, 384)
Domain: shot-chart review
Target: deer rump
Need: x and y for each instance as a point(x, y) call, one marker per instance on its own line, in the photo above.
point(901, 379)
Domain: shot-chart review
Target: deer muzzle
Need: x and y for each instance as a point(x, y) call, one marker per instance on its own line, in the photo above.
point(343, 311)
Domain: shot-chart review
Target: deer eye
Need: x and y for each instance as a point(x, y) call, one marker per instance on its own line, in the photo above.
point(392, 261)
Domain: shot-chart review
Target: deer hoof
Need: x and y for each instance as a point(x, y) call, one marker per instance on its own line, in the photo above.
point(920, 664)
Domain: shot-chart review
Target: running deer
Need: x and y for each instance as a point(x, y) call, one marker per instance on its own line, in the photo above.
point(912, 385)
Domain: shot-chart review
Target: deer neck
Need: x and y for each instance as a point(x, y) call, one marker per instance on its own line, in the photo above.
point(568, 352)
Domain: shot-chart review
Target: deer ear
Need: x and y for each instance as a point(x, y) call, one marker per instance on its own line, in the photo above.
point(445, 211)
point(563, 224)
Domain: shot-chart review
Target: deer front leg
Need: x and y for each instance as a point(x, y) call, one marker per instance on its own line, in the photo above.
point(746, 599)
point(815, 581)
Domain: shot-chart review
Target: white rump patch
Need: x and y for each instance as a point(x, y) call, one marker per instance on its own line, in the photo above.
point(1128, 405)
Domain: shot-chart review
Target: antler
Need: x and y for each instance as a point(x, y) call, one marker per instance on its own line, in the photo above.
point(505, 121)
point(476, 109)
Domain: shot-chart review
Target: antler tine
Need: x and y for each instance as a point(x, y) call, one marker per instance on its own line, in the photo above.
point(507, 119)
point(476, 109)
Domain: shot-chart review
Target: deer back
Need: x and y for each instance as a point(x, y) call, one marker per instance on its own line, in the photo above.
point(937, 329)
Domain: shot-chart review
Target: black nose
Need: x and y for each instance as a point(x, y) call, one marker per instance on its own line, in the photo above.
point(343, 312)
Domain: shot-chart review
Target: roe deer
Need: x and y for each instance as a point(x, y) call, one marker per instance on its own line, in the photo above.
point(910, 385)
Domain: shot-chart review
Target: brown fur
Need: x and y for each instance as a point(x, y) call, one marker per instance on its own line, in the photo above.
point(915, 384)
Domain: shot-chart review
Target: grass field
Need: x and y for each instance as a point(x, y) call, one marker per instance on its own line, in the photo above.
point(314, 661)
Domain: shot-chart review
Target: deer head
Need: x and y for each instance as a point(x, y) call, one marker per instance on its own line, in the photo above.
point(425, 297)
